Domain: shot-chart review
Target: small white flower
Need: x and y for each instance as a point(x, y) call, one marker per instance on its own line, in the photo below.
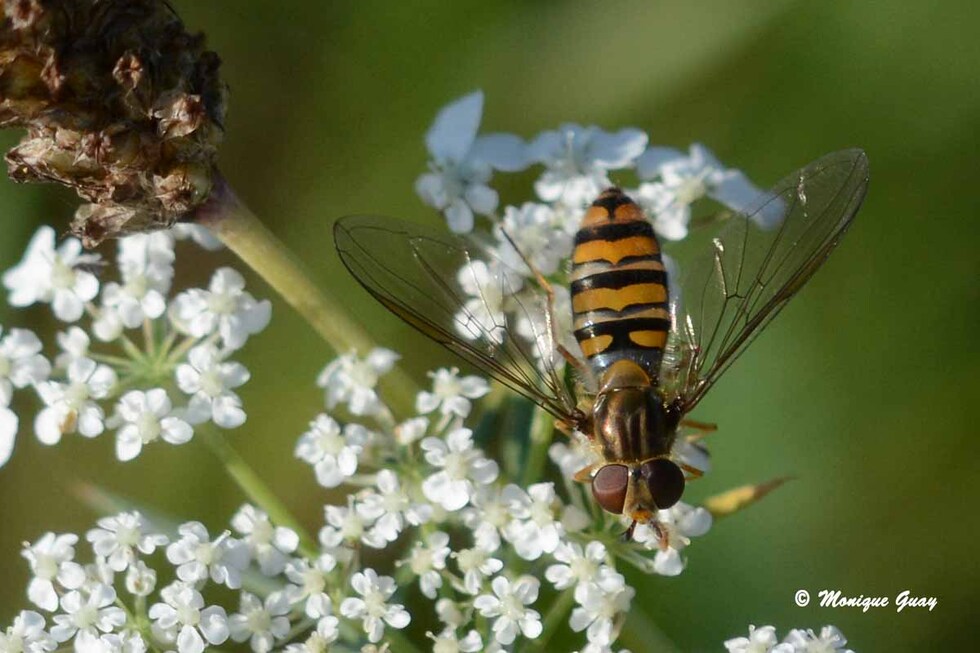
point(182, 620)
point(262, 624)
point(684, 179)
point(54, 276)
point(534, 530)
point(830, 640)
point(392, 508)
point(52, 559)
point(579, 566)
point(146, 417)
point(308, 584)
point(463, 163)
point(108, 326)
point(411, 430)
point(449, 613)
point(74, 344)
point(269, 545)
point(451, 393)
point(332, 452)
point(21, 362)
point(346, 526)
point(124, 642)
point(98, 572)
point(27, 635)
point(577, 160)
point(448, 642)
point(326, 633)
point(476, 565)
point(199, 234)
point(482, 315)
point(224, 308)
point(210, 380)
point(122, 538)
point(507, 606)
point(462, 468)
point(140, 579)
point(351, 380)
point(427, 560)
point(539, 234)
point(198, 558)
point(85, 616)
point(487, 517)
point(760, 640)
point(570, 458)
point(146, 266)
point(151, 254)
point(677, 526)
point(373, 608)
point(70, 405)
point(600, 603)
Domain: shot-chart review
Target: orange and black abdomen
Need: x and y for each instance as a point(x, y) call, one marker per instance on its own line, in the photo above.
point(619, 286)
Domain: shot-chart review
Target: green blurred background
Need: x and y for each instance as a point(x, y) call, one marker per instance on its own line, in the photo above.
point(860, 389)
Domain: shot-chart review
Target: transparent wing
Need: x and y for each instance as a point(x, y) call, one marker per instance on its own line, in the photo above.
point(458, 292)
point(755, 263)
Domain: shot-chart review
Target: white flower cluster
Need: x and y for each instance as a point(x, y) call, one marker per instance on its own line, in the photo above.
point(425, 479)
point(763, 640)
point(148, 367)
point(108, 604)
point(576, 163)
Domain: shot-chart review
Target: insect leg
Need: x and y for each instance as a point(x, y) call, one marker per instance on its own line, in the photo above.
point(693, 471)
point(703, 429)
point(584, 475)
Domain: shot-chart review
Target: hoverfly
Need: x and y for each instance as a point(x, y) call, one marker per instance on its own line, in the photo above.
point(652, 354)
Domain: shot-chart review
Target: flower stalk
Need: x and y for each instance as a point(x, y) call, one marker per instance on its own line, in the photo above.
point(244, 234)
point(256, 489)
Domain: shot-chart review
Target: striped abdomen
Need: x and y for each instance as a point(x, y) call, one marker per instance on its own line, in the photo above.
point(619, 286)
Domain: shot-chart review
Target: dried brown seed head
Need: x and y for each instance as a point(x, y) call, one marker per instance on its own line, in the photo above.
point(120, 103)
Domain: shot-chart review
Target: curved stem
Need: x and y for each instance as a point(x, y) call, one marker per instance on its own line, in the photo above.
point(245, 235)
point(256, 489)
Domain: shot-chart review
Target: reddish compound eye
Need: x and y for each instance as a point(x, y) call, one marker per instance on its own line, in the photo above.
point(609, 487)
point(665, 481)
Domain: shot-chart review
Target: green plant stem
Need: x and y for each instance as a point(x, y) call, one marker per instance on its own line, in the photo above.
point(540, 436)
point(399, 642)
point(640, 633)
point(245, 235)
point(554, 619)
point(256, 489)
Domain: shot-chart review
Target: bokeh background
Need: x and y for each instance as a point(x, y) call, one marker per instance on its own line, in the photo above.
point(862, 389)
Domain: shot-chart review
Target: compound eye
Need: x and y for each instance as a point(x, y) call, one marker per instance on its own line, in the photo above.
point(609, 487)
point(665, 481)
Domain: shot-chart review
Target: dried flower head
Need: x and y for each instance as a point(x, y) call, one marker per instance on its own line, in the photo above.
point(120, 103)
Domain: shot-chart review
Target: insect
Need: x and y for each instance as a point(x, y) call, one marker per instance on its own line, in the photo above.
point(652, 349)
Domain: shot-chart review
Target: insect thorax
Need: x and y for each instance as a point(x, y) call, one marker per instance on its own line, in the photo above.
point(630, 421)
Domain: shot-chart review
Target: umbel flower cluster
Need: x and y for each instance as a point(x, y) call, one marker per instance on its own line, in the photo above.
point(435, 538)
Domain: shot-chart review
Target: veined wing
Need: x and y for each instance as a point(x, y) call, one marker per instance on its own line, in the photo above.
point(458, 292)
point(756, 262)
